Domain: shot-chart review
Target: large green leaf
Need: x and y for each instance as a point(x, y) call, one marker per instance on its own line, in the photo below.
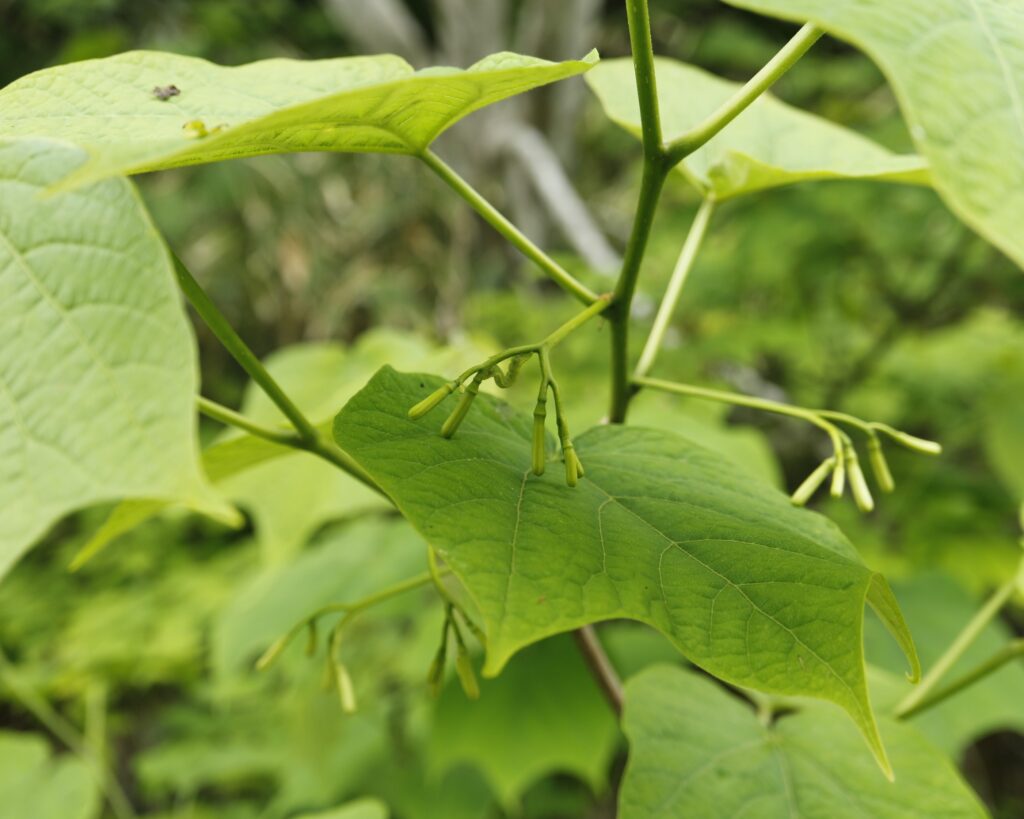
point(98, 366)
point(33, 785)
point(291, 494)
point(660, 530)
point(550, 717)
point(696, 750)
point(958, 71)
point(379, 104)
point(768, 145)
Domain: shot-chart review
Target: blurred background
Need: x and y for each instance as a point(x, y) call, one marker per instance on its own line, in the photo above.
point(867, 298)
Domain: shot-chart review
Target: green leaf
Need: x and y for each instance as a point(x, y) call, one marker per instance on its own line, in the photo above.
point(660, 530)
point(548, 713)
point(290, 494)
point(376, 104)
point(937, 608)
point(34, 785)
point(957, 69)
point(98, 372)
point(768, 145)
point(810, 764)
point(360, 809)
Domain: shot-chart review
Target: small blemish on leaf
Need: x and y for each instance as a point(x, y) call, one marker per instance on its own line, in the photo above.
point(165, 92)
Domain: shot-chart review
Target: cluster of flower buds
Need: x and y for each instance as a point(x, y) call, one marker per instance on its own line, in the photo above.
point(505, 379)
point(463, 660)
point(844, 467)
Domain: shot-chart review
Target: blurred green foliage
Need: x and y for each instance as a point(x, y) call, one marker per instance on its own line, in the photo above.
point(869, 299)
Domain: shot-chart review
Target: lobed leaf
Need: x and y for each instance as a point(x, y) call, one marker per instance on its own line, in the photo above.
point(957, 68)
point(111, 107)
point(809, 764)
point(659, 530)
point(768, 145)
point(98, 369)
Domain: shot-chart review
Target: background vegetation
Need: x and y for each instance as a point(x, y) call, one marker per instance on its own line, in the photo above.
point(866, 298)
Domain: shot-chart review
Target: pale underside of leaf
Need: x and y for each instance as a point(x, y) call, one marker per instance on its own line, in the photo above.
point(767, 145)
point(659, 530)
point(809, 765)
point(957, 69)
point(359, 104)
point(98, 368)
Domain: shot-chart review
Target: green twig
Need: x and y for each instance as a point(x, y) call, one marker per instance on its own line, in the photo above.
point(681, 147)
point(500, 223)
point(348, 609)
point(224, 415)
point(914, 700)
point(233, 343)
point(1009, 652)
point(655, 170)
point(668, 305)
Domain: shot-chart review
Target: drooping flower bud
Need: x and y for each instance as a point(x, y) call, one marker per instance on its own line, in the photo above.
point(467, 677)
point(346, 690)
point(813, 482)
point(858, 484)
point(879, 465)
point(431, 401)
point(540, 449)
point(269, 657)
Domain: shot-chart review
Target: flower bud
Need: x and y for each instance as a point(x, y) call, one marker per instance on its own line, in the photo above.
point(460, 411)
point(346, 691)
point(431, 401)
point(467, 677)
point(858, 485)
point(571, 465)
point(540, 450)
point(879, 466)
point(838, 480)
point(921, 445)
point(813, 482)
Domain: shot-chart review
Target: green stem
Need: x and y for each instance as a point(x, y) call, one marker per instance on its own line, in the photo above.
point(1007, 653)
point(319, 446)
point(646, 79)
point(681, 147)
point(61, 728)
point(308, 438)
point(654, 173)
point(675, 287)
point(601, 667)
point(963, 641)
point(233, 343)
point(653, 180)
point(577, 321)
point(224, 415)
point(838, 437)
point(501, 224)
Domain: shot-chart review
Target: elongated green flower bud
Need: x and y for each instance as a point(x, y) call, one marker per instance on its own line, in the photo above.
point(270, 656)
point(431, 401)
point(461, 409)
point(467, 677)
point(879, 466)
point(346, 690)
point(921, 445)
point(838, 481)
point(540, 449)
point(571, 465)
point(435, 676)
point(813, 482)
point(858, 484)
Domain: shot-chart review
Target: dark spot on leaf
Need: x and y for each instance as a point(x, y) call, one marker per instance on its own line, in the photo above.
point(165, 92)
